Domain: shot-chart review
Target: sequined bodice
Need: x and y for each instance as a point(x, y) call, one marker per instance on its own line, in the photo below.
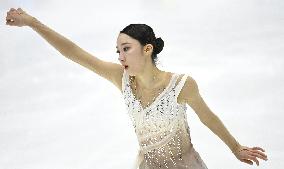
point(161, 128)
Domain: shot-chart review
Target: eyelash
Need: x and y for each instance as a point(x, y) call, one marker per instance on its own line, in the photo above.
point(123, 48)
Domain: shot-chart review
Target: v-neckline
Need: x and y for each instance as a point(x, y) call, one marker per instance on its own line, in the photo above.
point(156, 98)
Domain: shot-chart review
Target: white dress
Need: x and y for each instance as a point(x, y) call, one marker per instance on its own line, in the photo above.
point(162, 129)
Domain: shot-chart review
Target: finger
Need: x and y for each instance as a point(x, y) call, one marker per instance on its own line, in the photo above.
point(20, 10)
point(257, 155)
point(13, 12)
point(12, 9)
point(8, 23)
point(258, 148)
point(264, 156)
point(247, 161)
point(8, 17)
point(9, 20)
point(253, 158)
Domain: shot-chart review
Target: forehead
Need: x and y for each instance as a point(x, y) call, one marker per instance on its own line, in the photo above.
point(124, 39)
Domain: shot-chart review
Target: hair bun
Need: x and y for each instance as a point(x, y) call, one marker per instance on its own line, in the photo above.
point(159, 45)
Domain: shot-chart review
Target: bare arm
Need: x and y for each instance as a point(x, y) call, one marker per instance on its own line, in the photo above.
point(209, 119)
point(66, 47)
point(108, 70)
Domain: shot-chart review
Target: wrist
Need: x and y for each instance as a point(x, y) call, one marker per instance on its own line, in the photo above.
point(32, 22)
point(235, 147)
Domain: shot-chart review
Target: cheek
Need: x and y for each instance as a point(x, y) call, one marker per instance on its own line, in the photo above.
point(132, 57)
point(135, 63)
point(139, 65)
point(136, 59)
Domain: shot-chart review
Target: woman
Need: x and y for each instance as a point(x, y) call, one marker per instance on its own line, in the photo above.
point(156, 99)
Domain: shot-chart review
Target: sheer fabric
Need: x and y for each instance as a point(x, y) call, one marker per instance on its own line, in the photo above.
point(162, 129)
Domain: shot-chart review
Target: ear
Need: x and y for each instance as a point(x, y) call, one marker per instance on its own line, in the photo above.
point(148, 48)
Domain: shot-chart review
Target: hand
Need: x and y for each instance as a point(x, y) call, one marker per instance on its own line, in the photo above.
point(247, 155)
point(18, 18)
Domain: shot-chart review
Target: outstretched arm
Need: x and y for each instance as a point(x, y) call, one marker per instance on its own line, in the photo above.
point(108, 70)
point(208, 118)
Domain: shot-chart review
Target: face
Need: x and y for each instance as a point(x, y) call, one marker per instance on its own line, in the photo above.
point(132, 55)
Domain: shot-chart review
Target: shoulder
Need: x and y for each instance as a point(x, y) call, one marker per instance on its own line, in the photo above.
point(191, 84)
point(190, 91)
point(189, 81)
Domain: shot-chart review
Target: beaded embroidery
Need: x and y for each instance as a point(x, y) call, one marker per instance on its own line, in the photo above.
point(161, 127)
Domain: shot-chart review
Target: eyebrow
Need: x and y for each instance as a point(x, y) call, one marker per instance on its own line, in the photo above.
point(123, 44)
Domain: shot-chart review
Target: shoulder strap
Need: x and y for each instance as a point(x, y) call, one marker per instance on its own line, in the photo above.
point(124, 80)
point(180, 85)
point(173, 80)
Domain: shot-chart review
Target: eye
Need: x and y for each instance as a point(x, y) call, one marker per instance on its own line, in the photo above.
point(125, 48)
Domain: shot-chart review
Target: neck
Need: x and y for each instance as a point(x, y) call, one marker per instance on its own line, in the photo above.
point(149, 78)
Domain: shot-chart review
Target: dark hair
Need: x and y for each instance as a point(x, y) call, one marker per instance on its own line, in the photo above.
point(145, 35)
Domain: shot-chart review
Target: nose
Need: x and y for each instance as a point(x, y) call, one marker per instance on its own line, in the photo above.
point(121, 58)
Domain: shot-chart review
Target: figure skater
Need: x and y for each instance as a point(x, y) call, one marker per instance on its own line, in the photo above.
point(156, 100)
